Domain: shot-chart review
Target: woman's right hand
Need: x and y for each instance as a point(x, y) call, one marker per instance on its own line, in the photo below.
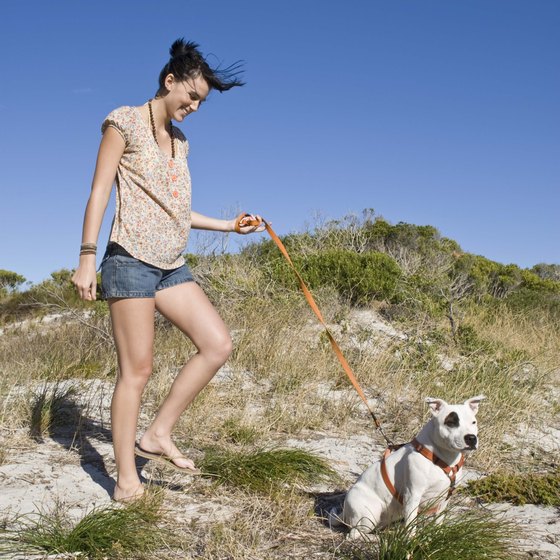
point(111, 150)
point(85, 278)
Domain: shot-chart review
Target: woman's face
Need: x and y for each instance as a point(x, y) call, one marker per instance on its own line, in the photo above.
point(186, 96)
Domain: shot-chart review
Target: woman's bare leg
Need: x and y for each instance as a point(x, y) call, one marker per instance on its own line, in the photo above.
point(133, 330)
point(188, 308)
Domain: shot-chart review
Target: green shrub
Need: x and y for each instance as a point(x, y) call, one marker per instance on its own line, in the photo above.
point(54, 294)
point(547, 271)
point(518, 489)
point(358, 278)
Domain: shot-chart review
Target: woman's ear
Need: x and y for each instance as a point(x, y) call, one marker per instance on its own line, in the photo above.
point(169, 82)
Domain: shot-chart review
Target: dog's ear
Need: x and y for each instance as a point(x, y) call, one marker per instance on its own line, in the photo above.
point(473, 403)
point(435, 405)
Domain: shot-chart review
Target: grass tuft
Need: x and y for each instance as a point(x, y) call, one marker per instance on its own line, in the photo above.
point(518, 489)
point(48, 409)
point(266, 471)
point(473, 534)
point(108, 532)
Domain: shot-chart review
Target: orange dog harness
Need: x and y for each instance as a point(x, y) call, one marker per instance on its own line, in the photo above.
point(451, 472)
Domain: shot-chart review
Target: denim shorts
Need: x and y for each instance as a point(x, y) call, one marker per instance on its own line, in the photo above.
point(123, 276)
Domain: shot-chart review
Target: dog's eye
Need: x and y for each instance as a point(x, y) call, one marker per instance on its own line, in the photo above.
point(474, 421)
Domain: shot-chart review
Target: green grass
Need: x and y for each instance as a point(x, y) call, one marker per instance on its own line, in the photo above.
point(518, 489)
point(108, 532)
point(469, 535)
point(266, 471)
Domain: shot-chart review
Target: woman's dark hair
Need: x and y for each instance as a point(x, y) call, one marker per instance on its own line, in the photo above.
point(187, 62)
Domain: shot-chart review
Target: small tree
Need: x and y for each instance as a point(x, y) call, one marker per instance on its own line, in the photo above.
point(9, 282)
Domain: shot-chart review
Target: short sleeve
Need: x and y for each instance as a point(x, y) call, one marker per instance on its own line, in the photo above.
point(119, 120)
point(178, 133)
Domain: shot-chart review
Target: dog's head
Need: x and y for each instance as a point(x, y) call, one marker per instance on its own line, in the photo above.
point(455, 426)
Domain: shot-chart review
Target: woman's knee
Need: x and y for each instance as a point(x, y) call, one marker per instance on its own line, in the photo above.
point(219, 350)
point(135, 375)
point(226, 348)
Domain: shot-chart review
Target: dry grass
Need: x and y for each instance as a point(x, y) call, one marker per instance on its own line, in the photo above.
point(538, 335)
point(282, 526)
point(283, 377)
point(283, 380)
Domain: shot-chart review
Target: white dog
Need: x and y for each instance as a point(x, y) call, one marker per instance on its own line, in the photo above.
point(415, 476)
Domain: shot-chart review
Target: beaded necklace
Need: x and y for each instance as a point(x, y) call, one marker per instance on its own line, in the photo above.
point(170, 163)
point(153, 125)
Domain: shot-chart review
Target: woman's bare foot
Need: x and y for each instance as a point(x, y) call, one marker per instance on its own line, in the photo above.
point(165, 446)
point(127, 494)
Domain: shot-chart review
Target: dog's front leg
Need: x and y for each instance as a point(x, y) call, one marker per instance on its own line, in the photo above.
point(411, 505)
point(410, 515)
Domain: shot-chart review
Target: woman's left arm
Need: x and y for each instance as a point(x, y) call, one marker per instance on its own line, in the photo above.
point(199, 221)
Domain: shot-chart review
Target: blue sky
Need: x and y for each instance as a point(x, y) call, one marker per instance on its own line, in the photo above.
point(437, 112)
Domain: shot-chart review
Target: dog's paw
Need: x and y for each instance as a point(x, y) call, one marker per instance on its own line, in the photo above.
point(334, 517)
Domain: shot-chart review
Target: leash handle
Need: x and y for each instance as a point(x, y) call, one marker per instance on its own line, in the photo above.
point(248, 219)
point(245, 219)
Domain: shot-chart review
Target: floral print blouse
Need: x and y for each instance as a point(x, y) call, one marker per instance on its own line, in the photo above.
point(153, 203)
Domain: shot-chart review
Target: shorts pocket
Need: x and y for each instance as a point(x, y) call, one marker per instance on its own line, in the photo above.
point(126, 261)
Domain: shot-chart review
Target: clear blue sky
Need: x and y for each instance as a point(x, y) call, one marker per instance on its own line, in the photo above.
point(440, 112)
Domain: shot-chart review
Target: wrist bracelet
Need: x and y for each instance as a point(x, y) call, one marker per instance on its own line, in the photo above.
point(88, 249)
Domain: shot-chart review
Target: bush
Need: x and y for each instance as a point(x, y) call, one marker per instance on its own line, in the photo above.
point(54, 294)
point(547, 271)
point(358, 278)
point(518, 489)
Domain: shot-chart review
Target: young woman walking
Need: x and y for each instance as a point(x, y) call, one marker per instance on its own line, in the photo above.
point(143, 268)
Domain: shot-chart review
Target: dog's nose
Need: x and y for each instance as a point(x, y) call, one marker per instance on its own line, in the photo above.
point(470, 440)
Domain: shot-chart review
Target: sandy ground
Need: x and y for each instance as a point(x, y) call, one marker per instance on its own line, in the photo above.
point(80, 474)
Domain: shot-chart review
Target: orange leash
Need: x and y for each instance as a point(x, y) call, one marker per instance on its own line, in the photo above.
point(250, 220)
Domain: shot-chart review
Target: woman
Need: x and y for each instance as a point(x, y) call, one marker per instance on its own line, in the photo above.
point(143, 268)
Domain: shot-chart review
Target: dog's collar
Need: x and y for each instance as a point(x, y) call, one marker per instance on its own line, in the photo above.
point(450, 471)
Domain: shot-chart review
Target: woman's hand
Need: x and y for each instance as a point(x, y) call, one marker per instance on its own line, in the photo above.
point(85, 278)
point(248, 223)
